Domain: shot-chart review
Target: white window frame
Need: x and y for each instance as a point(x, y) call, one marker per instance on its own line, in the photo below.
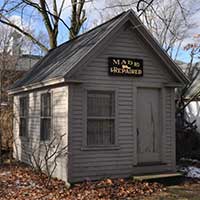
point(114, 146)
point(26, 116)
point(48, 117)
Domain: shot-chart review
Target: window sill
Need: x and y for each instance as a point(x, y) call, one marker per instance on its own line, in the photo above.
point(100, 148)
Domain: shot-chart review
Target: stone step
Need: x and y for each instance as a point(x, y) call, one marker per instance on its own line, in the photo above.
point(157, 176)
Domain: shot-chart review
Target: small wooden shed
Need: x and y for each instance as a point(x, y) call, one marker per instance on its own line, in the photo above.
point(111, 90)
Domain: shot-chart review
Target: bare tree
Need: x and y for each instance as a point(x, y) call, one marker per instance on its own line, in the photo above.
point(7, 61)
point(49, 14)
point(78, 17)
point(168, 20)
point(192, 71)
point(11, 44)
point(169, 23)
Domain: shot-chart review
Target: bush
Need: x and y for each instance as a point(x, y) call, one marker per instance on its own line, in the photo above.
point(187, 144)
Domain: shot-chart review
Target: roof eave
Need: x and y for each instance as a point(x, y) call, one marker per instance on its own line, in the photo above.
point(36, 85)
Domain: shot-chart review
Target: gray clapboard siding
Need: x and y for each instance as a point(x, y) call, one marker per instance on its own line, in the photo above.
point(102, 163)
point(59, 125)
point(169, 132)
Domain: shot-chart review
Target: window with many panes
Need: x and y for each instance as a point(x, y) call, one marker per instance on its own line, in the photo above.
point(23, 116)
point(100, 118)
point(45, 117)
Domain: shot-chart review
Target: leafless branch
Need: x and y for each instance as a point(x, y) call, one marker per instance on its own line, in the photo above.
point(44, 158)
point(6, 21)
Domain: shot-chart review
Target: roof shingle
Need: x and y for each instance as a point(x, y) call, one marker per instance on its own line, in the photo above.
point(60, 60)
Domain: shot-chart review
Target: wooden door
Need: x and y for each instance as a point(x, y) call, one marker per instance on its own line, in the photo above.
point(148, 125)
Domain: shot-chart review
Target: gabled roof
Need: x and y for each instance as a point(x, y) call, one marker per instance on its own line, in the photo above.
point(66, 58)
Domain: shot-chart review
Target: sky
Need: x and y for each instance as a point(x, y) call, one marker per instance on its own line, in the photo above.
point(94, 17)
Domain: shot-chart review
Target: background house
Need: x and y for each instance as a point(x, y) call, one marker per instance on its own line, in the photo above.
point(13, 65)
point(192, 111)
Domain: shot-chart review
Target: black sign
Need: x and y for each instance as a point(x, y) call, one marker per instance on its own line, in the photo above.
point(125, 67)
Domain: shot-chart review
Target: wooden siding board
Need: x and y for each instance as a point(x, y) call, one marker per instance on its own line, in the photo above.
point(169, 123)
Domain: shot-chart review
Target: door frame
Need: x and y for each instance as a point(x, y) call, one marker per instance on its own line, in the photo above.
point(162, 138)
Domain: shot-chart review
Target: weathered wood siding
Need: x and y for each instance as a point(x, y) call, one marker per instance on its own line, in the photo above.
point(121, 161)
point(23, 146)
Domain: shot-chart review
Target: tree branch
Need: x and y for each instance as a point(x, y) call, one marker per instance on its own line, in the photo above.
point(50, 13)
point(28, 35)
point(143, 9)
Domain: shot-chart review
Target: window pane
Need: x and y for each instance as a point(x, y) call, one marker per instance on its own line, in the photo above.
point(46, 105)
point(100, 104)
point(23, 106)
point(45, 126)
point(45, 129)
point(22, 127)
point(100, 132)
point(21, 102)
point(23, 114)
